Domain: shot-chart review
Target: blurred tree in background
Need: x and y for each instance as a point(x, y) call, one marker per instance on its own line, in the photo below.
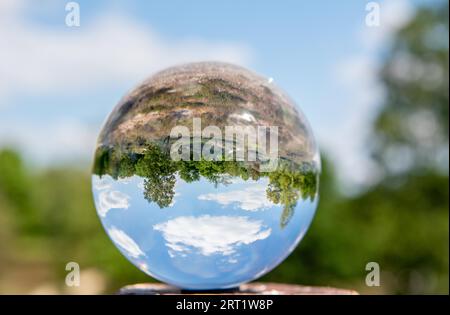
point(47, 217)
point(401, 222)
point(411, 131)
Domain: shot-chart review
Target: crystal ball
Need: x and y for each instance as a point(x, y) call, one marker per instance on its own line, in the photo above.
point(206, 176)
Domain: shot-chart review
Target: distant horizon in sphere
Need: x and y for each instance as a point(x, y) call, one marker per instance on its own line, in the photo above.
point(205, 223)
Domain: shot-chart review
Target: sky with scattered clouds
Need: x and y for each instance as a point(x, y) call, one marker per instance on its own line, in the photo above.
point(58, 84)
point(214, 237)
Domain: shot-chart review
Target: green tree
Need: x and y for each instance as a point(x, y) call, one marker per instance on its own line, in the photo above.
point(402, 221)
point(159, 173)
point(411, 147)
point(411, 130)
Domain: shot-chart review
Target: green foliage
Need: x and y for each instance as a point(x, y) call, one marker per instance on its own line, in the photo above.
point(287, 183)
point(286, 187)
point(411, 130)
point(402, 222)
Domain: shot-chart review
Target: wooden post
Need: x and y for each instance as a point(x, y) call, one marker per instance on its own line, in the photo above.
point(254, 288)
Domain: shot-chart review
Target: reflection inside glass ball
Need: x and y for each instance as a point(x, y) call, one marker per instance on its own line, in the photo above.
point(196, 220)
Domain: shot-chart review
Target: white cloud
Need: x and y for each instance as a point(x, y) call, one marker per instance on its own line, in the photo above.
point(121, 239)
point(251, 198)
point(109, 49)
point(101, 183)
point(348, 145)
point(111, 199)
point(211, 234)
point(174, 199)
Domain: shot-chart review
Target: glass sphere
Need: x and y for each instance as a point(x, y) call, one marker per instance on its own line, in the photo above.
point(206, 176)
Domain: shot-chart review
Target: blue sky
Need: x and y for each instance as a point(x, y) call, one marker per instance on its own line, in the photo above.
point(58, 84)
point(221, 234)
